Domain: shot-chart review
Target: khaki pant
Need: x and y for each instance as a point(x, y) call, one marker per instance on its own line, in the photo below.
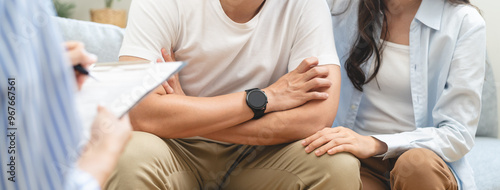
point(150, 162)
point(415, 169)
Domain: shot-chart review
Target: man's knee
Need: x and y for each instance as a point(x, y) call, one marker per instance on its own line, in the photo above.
point(339, 171)
point(345, 162)
point(338, 164)
point(344, 168)
point(143, 147)
point(137, 159)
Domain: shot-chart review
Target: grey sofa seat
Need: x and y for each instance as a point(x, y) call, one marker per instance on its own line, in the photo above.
point(485, 155)
point(485, 160)
point(105, 41)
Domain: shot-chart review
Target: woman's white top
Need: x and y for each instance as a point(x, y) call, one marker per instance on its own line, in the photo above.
point(386, 106)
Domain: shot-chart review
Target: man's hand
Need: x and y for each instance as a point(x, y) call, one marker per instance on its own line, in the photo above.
point(78, 55)
point(341, 139)
point(172, 85)
point(298, 86)
point(291, 90)
point(109, 136)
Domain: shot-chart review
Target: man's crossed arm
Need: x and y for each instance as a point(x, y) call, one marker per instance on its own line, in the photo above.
point(288, 125)
point(300, 103)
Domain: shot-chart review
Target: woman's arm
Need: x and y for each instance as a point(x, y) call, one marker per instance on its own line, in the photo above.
point(457, 110)
point(455, 114)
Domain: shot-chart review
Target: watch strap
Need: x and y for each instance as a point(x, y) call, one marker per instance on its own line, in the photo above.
point(258, 113)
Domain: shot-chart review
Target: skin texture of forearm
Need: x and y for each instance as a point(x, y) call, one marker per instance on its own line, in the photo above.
point(287, 126)
point(182, 116)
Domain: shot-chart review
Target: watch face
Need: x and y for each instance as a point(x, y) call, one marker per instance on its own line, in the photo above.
point(257, 99)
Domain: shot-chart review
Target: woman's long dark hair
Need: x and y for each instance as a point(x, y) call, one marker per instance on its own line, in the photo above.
point(366, 45)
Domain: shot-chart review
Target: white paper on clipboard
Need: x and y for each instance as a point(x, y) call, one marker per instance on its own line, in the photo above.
point(119, 87)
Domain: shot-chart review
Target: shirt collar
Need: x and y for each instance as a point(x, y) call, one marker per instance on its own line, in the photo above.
point(430, 13)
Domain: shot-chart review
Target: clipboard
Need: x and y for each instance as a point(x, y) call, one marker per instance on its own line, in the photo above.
point(119, 86)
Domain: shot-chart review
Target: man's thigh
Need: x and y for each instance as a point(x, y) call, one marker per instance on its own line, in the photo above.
point(150, 162)
point(288, 166)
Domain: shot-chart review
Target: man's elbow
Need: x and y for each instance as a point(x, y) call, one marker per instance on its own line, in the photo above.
point(145, 125)
point(312, 123)
point(322, 121)
point(155, 126)
point(323, 115)
point(140, 123)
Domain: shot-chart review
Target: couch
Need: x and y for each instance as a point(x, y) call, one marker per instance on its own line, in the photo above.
point(105, 41)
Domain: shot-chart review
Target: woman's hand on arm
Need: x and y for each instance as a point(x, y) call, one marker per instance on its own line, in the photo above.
point(341, 139)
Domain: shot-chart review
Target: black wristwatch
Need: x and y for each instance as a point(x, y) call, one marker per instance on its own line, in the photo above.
point(257, 101)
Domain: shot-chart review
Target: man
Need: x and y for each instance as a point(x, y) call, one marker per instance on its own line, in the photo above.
point(233, 47)
point(41, 130)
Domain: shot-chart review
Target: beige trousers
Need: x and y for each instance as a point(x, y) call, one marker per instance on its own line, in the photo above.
point(150, 162)
point(415, 169)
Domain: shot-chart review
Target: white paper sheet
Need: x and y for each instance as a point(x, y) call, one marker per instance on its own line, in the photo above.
point(119, 87)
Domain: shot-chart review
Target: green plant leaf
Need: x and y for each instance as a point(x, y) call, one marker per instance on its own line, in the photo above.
point(109, 3)
point(63, 9)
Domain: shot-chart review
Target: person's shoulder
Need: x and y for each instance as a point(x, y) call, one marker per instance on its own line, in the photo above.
point(463, 14)
point(339, 7)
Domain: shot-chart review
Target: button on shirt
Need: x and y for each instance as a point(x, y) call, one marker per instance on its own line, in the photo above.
point(447, 62)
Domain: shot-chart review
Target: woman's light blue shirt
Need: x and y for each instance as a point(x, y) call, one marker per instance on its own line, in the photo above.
point(447, 62)
point(45, 127)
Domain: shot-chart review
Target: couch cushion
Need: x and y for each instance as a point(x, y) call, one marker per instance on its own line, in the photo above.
point(485, 160)
point(488, 122)
point(104, 40)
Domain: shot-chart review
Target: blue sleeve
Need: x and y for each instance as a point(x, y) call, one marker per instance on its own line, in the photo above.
point(81, 180)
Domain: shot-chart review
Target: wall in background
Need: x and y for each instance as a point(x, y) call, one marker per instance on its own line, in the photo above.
point(490, 10)
point(82, 10)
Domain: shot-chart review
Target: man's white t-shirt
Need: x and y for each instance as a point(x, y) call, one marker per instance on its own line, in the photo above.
point(224, 56)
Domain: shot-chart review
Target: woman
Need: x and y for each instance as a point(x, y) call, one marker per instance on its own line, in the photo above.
point(411, 91)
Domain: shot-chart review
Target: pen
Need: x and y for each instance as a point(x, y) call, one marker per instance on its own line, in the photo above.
point(82, 70)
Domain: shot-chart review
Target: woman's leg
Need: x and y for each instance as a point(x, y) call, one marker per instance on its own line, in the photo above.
point(422, 169)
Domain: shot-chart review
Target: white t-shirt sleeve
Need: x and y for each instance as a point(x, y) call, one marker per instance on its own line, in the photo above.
point(314, 36)
point(152, 25)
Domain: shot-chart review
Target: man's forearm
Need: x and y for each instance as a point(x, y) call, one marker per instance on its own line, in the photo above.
point(179, 116)
point(175, 116)
point(275, 128)
point(286, 126)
